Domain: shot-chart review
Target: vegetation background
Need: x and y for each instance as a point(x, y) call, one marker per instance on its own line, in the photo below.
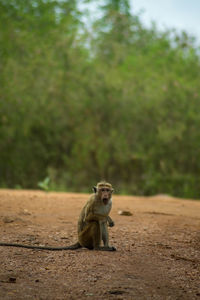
point(85, 98)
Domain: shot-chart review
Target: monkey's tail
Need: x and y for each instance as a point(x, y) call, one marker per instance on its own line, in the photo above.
point(72, 247)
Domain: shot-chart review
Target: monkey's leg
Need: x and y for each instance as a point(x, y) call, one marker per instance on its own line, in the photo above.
point(96, 235)
point(90, 236)
point(105, 236)
point(99, 233)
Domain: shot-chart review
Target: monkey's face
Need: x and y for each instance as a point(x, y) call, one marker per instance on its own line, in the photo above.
point(104, 194)
point(103, 191)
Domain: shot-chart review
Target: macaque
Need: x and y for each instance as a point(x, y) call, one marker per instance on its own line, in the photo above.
point(94, 219)
point(93, 223)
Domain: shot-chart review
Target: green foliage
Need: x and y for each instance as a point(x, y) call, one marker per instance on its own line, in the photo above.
point(115, 101)
point(44, 185)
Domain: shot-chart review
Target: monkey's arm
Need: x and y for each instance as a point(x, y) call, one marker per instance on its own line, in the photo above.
point(95, 217)
point(91, 212)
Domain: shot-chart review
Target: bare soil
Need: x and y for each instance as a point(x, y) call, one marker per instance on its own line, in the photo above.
point(157, 257)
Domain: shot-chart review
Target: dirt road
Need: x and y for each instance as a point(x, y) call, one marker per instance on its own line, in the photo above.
point(157, 257)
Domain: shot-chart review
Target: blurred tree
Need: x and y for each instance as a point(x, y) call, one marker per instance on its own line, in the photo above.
point(113, 100)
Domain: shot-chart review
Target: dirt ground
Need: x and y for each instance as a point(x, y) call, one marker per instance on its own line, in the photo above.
point(157, 257)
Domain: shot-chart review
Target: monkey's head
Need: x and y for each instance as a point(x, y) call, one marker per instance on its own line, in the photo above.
point(103, 191)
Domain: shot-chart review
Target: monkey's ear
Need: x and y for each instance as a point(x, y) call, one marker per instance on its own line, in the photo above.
point(112, 190)
point(94, 189)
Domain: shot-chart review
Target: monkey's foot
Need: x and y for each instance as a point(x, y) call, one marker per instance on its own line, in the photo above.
point(112, 248)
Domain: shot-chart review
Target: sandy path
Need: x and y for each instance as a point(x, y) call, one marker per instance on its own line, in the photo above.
point(157, 257)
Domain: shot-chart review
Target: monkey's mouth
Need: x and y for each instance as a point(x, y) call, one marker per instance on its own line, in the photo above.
point(105, 201)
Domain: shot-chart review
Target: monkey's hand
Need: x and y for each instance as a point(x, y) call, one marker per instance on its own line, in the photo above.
point(111, 223)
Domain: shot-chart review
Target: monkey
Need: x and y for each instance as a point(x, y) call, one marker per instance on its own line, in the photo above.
point(94, 219)
point(93, 222)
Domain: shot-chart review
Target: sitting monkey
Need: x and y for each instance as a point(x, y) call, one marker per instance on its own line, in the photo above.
point(92, 224)
point(94, 219)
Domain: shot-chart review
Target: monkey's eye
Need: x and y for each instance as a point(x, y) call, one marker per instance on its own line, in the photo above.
point(105, 190)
